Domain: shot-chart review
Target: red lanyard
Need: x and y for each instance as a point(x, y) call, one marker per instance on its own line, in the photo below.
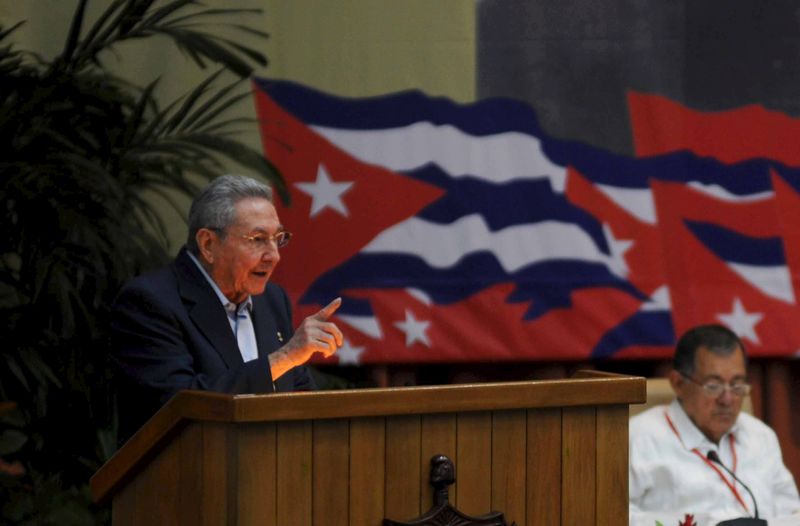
point(710, 464)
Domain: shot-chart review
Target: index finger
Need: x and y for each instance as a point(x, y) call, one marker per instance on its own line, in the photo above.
point(327, 311)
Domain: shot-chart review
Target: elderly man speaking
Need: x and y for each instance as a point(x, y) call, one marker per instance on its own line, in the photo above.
point(212, 320)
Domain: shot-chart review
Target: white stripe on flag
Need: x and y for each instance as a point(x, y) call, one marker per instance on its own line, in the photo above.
point(497, 158)
point(515, 247)
point(775, 282)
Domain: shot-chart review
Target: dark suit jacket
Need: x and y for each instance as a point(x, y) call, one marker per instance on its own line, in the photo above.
point(170, 332)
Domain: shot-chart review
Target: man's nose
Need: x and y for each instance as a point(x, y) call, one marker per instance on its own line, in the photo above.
point(726, 398)
point(271, 253)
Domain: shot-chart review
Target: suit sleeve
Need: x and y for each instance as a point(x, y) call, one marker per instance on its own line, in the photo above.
point(156, 358)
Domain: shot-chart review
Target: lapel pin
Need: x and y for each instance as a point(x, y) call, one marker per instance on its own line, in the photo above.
point(280, 336)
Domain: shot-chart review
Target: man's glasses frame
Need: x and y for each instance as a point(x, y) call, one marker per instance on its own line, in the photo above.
point(260, 242)
point(714, 388)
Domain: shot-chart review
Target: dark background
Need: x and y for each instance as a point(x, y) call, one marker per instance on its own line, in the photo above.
point(574, 60)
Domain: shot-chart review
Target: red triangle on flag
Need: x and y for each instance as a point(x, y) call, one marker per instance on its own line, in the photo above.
point(330, 226)
point(645, 258)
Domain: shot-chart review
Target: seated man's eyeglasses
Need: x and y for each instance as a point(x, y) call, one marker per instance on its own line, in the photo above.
point(714, 388)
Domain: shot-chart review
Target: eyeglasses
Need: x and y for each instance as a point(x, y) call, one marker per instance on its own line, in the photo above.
point(713, 388)
point(260, 242)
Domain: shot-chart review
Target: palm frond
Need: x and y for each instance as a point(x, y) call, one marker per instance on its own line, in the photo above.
point(91, 161)
point(225, 127)
point(5, 33)
point(134, 13)
point(95, 38)
point(163, 12)
point(137, 116)
point(190, 99)
point(215, 106)
point(74, 34)
point(245, 156)
point(200, 45)
point(210, 13)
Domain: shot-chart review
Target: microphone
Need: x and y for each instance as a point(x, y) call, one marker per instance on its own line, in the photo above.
point(743, 521)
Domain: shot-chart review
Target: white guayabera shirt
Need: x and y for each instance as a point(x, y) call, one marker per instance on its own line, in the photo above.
point(669, 476)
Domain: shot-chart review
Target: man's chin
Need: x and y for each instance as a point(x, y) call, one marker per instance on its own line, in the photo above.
point(725, 422)
point(257, 284)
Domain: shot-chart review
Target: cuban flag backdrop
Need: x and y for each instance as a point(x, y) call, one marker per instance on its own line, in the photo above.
point(463, 233)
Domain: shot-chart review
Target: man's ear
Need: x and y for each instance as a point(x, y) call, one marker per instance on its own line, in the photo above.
point(206, 239)
point(677, 382)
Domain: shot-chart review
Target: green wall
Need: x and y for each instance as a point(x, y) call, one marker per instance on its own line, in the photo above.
point(371, 47)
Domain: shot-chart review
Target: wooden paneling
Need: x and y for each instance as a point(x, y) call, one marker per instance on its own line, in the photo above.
point(256, 476)
point(509, 430)
point(544, 467)
point(216, 478)
point(367, 475)
point(474, 451)
point(123, 512)
point(189, 445)
point(578, 468)
point(156, 507)
point(331, 458)
point(438, 437)
point(612, 464)
point(294, 474)
point(595, 389)
point(550, 452)
point(403, 477)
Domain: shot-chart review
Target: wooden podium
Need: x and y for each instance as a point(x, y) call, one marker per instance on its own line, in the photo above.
point(542, 453)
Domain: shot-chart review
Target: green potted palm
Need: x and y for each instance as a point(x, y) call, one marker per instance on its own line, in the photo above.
point(84, 152)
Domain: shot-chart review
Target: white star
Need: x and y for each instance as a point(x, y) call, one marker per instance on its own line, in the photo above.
point(618, 247)
point(742, 322)
point(349, 354)
point(414, 329)
point(325, 193)
point(659, 300)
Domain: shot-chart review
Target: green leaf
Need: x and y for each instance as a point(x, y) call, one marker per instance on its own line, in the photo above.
point(92, 166)
point(178, 117)
point(213, 13)
point(165, 11)
point(137, 116)
point(109, 19)
point(245, 156)
point(6, 32)
point(11, 441)
point(202, 45)
point(215, 106)
point(74, 31)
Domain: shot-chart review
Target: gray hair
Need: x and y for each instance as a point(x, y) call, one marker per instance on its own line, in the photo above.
point(215, 207)
point(716, 338)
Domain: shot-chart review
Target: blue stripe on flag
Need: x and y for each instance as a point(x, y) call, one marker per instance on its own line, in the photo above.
point(735, 247)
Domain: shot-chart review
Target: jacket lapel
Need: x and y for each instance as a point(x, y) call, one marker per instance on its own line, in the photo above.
point(205, 309)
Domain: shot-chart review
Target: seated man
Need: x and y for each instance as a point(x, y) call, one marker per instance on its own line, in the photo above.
point(210, 320)
point(670, 469)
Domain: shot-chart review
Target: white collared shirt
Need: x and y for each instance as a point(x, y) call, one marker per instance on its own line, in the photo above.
point(667, 476)
point(239, 317)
